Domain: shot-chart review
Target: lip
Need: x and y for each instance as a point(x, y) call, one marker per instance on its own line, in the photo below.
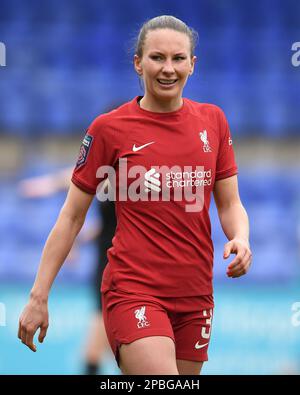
point(166, 85)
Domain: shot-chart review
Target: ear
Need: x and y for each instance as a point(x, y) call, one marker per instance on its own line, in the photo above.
point(137, 65)
point(193, 61)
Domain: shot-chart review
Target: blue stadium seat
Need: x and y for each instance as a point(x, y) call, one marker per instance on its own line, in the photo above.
point(240, 67)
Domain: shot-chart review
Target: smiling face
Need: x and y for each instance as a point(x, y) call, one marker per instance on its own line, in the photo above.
point(165, 66)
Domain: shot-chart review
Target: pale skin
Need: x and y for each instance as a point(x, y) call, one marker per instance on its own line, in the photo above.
point(166, 55)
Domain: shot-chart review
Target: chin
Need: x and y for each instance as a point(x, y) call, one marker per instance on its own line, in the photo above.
point(167, 95)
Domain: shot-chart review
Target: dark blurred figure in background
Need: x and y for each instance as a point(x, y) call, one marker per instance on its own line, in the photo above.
point(96, 344)
point(97, 340)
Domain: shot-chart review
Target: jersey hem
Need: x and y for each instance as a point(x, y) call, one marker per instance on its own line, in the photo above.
point(82, 186)
point(152, 332)
point(189, 357)
point(226, 174)
point(207, 291)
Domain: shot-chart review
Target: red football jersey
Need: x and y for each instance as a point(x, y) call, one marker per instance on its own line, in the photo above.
point(165, 166)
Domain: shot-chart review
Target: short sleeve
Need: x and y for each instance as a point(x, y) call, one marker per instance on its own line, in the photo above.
point(97, 149)
point(226, 165)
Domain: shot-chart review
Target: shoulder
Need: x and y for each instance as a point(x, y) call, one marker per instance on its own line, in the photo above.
point(105, 119)
point(107, 124)
point(209, 110)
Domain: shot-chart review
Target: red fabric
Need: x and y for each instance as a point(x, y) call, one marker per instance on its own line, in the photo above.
point(186, 320)
point(159, 248)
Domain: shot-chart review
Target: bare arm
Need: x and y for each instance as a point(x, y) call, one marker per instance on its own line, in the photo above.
point(57, 248)
point(235, 224)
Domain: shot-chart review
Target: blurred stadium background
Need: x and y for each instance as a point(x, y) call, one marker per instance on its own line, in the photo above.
point(68, 61)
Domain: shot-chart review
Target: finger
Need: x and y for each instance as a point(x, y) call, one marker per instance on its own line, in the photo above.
point(240, 260)
point(227, 250)
point(29, 340)
point(23, 335)
point(240, 273)
point(240, 269)
point(237, 260)
point(43, 333)
point(237, 272)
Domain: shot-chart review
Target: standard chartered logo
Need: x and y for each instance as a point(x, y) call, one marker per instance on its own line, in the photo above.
point(177, 179)
point(184, 179)
point(159, 183)
point(152, 181)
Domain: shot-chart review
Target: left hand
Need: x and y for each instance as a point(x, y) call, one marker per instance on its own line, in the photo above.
point(241, 263)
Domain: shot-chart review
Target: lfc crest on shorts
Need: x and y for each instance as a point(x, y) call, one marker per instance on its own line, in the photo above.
point(140, 316)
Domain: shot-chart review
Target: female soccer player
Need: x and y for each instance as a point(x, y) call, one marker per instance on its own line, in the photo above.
point(167, 154)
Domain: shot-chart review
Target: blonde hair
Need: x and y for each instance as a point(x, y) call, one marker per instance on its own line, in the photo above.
point(165, 22)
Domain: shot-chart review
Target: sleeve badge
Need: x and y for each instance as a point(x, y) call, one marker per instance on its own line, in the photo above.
point(84, 150)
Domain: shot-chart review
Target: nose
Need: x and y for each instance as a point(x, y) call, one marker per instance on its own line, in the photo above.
point(168, 67)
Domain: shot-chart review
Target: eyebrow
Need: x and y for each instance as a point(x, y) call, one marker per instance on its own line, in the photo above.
point(160, 53)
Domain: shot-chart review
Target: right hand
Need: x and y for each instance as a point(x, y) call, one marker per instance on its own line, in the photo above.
point(34, 316)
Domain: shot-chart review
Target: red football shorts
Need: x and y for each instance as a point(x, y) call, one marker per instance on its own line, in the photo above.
point(186, 320)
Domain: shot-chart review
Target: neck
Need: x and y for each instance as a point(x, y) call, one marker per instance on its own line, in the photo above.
point(155, 105)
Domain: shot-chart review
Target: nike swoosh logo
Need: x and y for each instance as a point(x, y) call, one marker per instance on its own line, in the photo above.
point(135, 149)
point(197, 345)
